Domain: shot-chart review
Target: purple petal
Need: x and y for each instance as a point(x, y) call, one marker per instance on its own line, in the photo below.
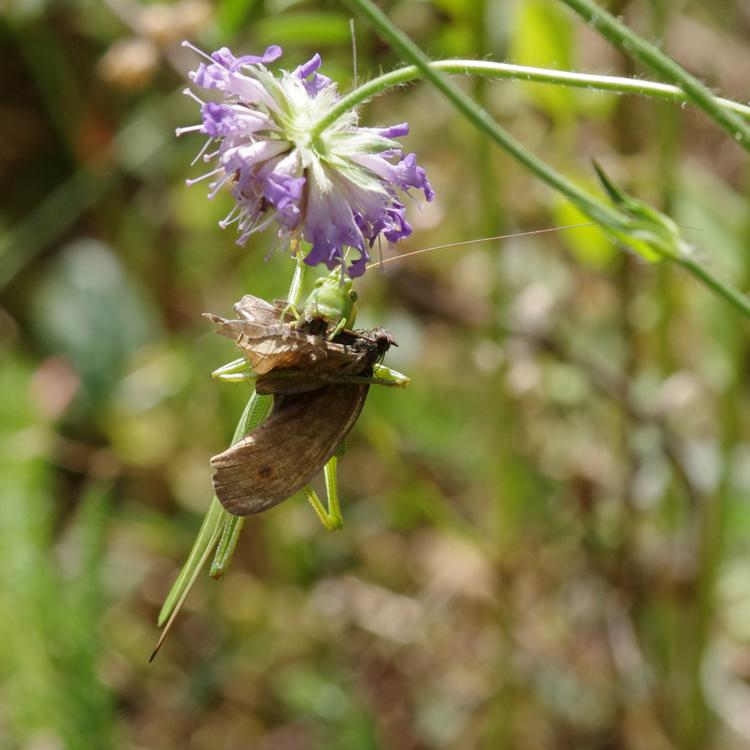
point(274, 52)
point(250, 154)
point(391, 223)
point(394, 131)
point(212, 76)
point(359, 266)
point(329, 227)
point(313, 82)
point(310, 67)
point(226, 59)
point(218, 119)
point(395, 225)
point(410, 175)
point(284, 193)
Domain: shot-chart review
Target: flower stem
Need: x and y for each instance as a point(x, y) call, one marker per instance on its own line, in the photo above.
point(597, 210)
point(642, 50)
point(609, 218)
point(729, 293)
point(510, 72)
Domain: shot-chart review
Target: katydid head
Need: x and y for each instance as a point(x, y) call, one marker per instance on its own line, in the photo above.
point(333, 300)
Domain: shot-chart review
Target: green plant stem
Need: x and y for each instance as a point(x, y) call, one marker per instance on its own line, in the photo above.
point(510, 72)
point(598, 211)
point(642, 50)
point(728, 292)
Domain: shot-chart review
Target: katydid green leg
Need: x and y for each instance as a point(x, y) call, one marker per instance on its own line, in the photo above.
point(388, 376)
point(290, 309)
point(217, 527)
point(294, 297)
point(238, 371)
point(202, 547)
point(337, 330)
point(255, 412)
point(231, 369)
point(331, 516)
point(230, 535)
point(240, 377)
point(211, 530)
point(204, 542)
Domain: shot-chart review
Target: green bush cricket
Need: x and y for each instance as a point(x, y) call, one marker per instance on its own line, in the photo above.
point(329, 304)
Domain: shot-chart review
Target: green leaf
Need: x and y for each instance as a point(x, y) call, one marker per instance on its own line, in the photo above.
point(650, 233)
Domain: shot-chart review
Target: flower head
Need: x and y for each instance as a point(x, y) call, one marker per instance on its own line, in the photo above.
point(338, 188)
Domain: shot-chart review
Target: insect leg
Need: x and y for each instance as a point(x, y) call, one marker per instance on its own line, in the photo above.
point(337, 330)
point(294, 298)
point(217, 528)
point(236, 371)
point(256, 411)
point(230, 535)
point(383, 373)
point(331, 516)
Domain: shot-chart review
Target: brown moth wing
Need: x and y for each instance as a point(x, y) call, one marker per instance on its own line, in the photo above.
point(268, 347)
point(280, 346)
point(282, 313)
point(362, 351)
point(282, 455)
point(257, 310)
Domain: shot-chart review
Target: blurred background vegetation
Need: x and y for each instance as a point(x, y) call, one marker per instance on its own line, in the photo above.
point(546, 534)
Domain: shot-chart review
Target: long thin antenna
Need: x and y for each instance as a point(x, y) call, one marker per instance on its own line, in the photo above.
point(355, 81)
point(477, 241)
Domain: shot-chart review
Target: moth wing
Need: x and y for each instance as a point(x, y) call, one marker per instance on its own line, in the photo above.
point(271, 347)
point(312, 355)
point(282, 455)
point(343, 359)
point(280, 347)
point(256, 310)
point(280, 307)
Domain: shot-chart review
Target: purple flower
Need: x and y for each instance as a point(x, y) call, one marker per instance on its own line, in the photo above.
point(338, 189)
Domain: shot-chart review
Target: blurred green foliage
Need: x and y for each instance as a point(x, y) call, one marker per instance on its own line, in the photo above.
point(545, 541)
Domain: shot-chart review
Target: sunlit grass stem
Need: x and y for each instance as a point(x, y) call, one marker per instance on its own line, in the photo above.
point(525, 73)
point(645, 52)
point(608, 217)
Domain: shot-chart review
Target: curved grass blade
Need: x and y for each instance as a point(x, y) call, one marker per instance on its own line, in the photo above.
point(210, 532)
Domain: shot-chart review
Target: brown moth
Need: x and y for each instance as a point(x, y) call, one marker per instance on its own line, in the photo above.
point(278, 351)
point(281, 456)
point(312, 412)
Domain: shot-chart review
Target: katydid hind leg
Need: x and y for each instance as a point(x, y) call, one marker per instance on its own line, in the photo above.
point(330, 514)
